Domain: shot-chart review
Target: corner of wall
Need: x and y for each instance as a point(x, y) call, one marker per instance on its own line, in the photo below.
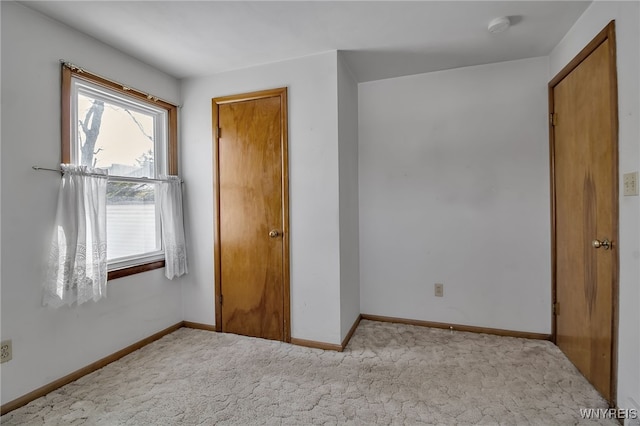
point(347, 109)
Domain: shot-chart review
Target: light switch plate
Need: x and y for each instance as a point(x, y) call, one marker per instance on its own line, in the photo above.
point(630, 183)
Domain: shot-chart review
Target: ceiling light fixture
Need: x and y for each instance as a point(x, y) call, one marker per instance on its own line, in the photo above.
point(499, 25)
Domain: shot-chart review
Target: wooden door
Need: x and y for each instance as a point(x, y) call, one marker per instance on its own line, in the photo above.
point(584, 183)
point(252, 280)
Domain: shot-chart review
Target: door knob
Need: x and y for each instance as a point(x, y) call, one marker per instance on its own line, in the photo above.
point(274, 233)
point(605, 244)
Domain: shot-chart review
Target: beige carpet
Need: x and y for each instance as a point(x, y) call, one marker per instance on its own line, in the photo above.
point(389, 374)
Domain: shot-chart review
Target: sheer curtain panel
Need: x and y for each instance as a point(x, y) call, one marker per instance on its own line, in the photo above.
point(77, 270)
point(175, 252)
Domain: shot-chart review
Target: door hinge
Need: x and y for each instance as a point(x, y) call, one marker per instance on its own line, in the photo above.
point(221, 300)
point(218, 133)
point(553, 118)
point(555, 308)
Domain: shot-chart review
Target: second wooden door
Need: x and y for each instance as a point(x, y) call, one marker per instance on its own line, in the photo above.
point(585, 212)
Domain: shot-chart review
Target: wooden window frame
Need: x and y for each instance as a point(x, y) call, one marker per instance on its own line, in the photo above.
point(69, 72)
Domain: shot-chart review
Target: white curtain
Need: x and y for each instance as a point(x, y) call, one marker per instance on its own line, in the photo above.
point(175, 252)
point(77, 270)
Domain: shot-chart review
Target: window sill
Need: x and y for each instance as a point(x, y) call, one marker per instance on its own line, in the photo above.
point(132, 270)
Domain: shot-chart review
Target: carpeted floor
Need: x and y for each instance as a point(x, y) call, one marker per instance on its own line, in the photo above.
point(389, 374)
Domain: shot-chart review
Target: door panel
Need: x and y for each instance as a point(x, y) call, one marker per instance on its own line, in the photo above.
point(585, 206)
point(250, 194)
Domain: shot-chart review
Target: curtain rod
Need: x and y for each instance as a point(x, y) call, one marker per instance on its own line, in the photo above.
point(74, 67)
point(133, 179)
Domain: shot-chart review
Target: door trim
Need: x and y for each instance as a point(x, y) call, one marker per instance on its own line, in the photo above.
point(215, 103)
point(608, 33)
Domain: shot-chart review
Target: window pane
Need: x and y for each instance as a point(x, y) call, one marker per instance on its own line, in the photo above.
point(132, 219)
point(116, 138)
point(129, 134)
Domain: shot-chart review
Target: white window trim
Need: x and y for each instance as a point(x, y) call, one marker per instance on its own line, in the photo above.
point(161, 148)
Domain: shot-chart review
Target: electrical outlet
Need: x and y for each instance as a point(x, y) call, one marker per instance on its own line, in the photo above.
point(630, 183)
point(5, 351)
point(439, 290)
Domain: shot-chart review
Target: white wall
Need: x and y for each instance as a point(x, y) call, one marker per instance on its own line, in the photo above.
point(349, 216)
point(594, 19)
point(48, 344)
point(454, 189)
point(313, 189)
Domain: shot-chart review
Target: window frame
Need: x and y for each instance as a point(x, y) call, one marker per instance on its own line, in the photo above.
point(70, 72)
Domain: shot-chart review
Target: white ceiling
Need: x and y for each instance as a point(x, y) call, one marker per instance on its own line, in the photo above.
point(380, 39)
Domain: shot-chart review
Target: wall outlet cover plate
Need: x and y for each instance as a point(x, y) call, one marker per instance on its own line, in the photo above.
point(6, 352)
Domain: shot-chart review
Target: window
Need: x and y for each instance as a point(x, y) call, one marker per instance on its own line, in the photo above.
point(134, 137)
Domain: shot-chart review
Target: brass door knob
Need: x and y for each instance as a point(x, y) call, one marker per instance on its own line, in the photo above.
point(605, 244)
point(274, 233)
